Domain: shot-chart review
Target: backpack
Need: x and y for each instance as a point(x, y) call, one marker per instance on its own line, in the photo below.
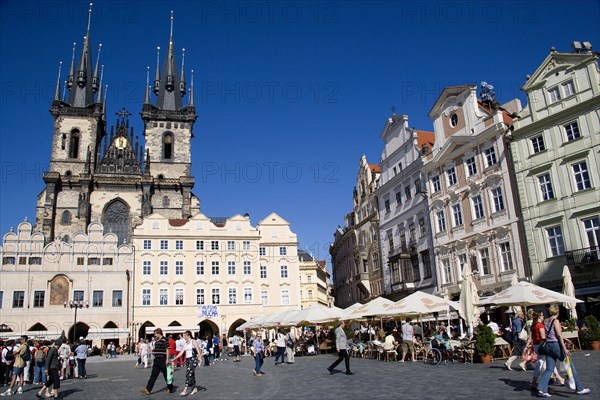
point(10, 356)
point(289, 342)
point(26, 356)
point(40, 356)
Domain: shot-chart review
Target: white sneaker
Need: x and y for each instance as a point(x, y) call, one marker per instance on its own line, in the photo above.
point(507, 365)
point(584, 391)
point(20, 390)
point(7, 393)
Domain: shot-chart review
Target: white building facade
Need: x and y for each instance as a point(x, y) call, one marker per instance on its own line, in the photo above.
point(405, 235)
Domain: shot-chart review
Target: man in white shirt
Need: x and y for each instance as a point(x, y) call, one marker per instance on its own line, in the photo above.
point(408, 340)
point(494, 327)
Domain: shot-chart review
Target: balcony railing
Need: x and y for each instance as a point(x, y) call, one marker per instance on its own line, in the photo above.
point(580, 257)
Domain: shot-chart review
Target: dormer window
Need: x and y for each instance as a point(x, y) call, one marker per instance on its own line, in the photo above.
point(453, 120)
point(168, 146)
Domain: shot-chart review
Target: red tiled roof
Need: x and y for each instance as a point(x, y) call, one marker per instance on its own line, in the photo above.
point(375, 168)
point(177, 221)
point(425, 137)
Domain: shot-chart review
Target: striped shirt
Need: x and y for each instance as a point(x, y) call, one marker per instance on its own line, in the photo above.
point(160, 348)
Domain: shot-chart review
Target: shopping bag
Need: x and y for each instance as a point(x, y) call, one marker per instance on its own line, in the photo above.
point(569, 371)
point(169, 374)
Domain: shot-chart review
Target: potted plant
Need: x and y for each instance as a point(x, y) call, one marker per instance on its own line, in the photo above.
point(591, 332)
point(485, 343)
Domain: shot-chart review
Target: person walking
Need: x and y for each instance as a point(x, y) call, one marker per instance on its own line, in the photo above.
point(144, 352)
point(518, 344)
point(40, 364)
point(408, 341)
point(82, 352)
point(191, 350)
point(280, 342)
point(290, 344)
point(341, 344)
point(52, 367)
point(259, 355)
point(63, 353)
point(224, 347)
point(555, 351)
point(161, 360)
point(236, 347)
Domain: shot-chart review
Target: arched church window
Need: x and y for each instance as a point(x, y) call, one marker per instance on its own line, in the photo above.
point(116, 220)
point(63, 142)
point(74, 144)
point(168, 146)
point(165, 202)
point(66, 218)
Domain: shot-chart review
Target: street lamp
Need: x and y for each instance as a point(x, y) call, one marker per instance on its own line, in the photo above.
point(76, 305)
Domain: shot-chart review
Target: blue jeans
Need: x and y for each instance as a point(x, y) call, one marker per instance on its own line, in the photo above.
point(40, 375)
point(553, 354)
point(280, 352)
point(259, 362)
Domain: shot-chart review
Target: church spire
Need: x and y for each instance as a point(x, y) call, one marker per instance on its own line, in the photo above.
point(169, 92)
point(99, 84)
point(157, 74)
point(182, 75)
point(95, 85)
point(147, 91)
point(191, 98)
point(57, 91)
point(72, 69)
point(82, 94)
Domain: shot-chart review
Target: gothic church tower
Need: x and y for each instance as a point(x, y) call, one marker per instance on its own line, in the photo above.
point(110, 179)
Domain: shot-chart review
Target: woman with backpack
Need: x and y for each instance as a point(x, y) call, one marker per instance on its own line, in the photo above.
point(39, 358)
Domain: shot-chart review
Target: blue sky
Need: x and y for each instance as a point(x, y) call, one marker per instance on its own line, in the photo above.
point(289, 95)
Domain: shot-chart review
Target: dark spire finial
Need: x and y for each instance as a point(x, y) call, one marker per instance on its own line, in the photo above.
point(72, 69)
point(157, 75)
point(99, 98)
point(182, 75)
point(64, 90)
point(191, 99)
point(170, 93)
point(147, 91)
point(82, 94)
point(95, 84)
point(57, 91)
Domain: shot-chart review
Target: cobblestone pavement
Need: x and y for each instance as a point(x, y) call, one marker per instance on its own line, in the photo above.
point(308, 378)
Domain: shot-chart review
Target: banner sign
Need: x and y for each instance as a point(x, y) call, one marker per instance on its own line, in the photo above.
point(208, 311)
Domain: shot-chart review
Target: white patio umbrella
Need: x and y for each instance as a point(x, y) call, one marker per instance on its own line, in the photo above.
point(374, 308)
point(514, 309)
point(420, 303)
point(350, 309)
point(468, 309)
point(528, 294)
point(314, 314)
point(569, 290)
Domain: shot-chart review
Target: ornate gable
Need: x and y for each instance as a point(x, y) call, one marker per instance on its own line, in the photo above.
point(120, 155)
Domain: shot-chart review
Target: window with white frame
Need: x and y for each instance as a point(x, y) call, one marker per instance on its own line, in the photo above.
point(78, 296)
point(422, 227)
point(506, 256)
point(398, 198)
point(477, 207)
point(407, 192)
point(554, 94)
point(247, 295)
point(146, 267)
point(263, 272)
point(537, 144)
point(179, 245)
point(231, 267)
point(262, 251)
point(555, 241)
point(214, 245)
point(164, 245)
point(490, 156)
point(18, 298)
point(285, 297)
point(441, 221)
point(232, 296)
point(582, 176)
point(457, 214)
point(386, 204)
point(147, 244)
point(247, 268)
point(246, 245)
point(310, 294)
point(591, 227)
point(568, 88)
point(164, 268)
point(284, 271)
point(283, 251)
point(545, 187)
point(98, 298)
point(215, 268)
point(451, 175)
point(435, 183)
point(498, 199)
point(178, 267)
point(264, 297)
point(199, 267)
point(446, 271)
point(178, 296)
point(199, 244)
point(572, 131)
point(484, 261)
point(163, 297)
point(216, 295)
point(471, 166)
point(200, 296)
point(230, 245)
point(146, 297)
